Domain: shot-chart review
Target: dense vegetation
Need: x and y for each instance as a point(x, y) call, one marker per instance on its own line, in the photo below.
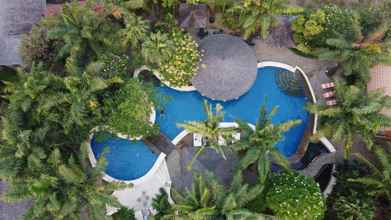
point(77, 74)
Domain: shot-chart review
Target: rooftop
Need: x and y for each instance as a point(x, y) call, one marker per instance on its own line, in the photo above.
point(228, 68)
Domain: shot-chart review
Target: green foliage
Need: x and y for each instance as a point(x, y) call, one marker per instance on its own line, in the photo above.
point(130, 109)
point(37, 47)
point(124, 214)
point(209, 199)
point(210, 130)
point(110, 66)
point(357, 114)
point(354, 59)
point(290, 83)
point(258, 145)
point(86, 32)
point(350, 200)
point(312, 29)
point(294, 196)
point(257, 16)
point(157, 48)
point(378, 181)
point(356, 39)
point(175, 54)
point(161, 204)
point(40, 154)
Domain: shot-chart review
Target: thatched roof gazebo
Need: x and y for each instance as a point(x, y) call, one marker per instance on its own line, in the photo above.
point(228, 69)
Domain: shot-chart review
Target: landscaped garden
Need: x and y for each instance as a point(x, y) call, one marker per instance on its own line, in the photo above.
point(141, 109)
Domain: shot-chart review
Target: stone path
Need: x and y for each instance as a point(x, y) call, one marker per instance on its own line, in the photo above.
point(209, 161)
point(13, 211)
point(315, 69)
point(316, 165)
point(16, 18)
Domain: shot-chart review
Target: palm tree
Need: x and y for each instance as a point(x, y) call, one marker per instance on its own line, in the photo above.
point(357, 114)
point(253, 16)
point(378, 183)
point(157, 48)
point(210, 130)
point(258, 144)
point(355, 59)
point(135, 30)
point(209, 199)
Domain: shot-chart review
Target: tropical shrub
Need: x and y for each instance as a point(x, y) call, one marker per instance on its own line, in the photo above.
point(161, 204)
point(378, 181)
point(111, 66)
point(312, 29)
point(350, 200)
point(209, 199)
point(257, 16)
point(46, 119)
point(357, 114)
point(87, 30)
point(182, 62)
point(294, 196)
point(129, 110)
point(124, 214)
point(36, 47)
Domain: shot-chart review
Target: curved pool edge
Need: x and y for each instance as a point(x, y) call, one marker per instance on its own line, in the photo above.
point(158, 75)
point(93, 161)
point(301, 149)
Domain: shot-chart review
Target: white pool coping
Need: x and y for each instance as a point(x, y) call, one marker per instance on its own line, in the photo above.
point(185, 132)
point(293, 70)
point(165, 82)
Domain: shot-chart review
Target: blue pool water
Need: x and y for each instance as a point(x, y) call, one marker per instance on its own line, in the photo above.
point(127, 160)
point(188, 106)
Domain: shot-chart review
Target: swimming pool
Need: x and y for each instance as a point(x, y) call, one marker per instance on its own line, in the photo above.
point(126, 159)
point(188, 106)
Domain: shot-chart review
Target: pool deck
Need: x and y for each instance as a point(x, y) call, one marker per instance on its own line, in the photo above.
point(209, 161)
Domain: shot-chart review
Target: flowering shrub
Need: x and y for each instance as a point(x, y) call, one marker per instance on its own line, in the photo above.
point(294, 196)
point(182, 63)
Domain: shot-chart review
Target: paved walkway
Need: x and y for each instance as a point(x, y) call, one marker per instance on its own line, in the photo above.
point(13, 211)
point(315, 69)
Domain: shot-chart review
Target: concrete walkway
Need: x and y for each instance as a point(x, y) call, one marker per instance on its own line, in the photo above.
point(11, 211)
point(315, 69)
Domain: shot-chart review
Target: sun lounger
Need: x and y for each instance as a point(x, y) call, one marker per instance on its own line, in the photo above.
point(331, 102)
point(328, 85)
point(197, 140)
point(328, 94)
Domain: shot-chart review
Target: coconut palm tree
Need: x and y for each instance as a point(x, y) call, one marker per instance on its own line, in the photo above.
point(209, 199)
point(259, 143)
point(355, 59)
point(210, 130)
point(378, 183)
point(356, 114)
point(252, 16)
point(135, 30)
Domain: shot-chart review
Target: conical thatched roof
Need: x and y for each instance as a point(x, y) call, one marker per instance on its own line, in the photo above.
point(228, 69)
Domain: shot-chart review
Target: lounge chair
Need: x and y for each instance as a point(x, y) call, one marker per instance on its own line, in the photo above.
point(235, 137)
point(331, 102)
point(327, 85)
point(328, 94)
point(197, 140)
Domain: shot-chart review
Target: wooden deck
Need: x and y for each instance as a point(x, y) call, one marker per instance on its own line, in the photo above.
point(160, 143)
